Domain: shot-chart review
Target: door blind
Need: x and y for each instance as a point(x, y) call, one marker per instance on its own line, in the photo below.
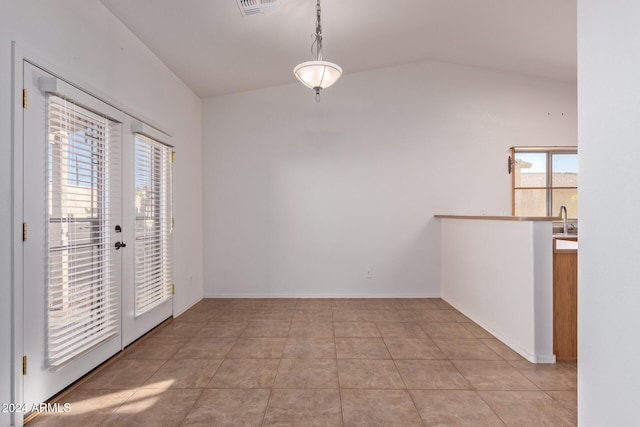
point(83, 181)
point(153, 263)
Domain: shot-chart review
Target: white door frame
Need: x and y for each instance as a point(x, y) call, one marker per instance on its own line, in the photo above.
point(17, 298)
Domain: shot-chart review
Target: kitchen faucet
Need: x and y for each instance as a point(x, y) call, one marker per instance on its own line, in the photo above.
point(565, 228)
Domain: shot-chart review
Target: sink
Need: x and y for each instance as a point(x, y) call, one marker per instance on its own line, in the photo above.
point(557, 228)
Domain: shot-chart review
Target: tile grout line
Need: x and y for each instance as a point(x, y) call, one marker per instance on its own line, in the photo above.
point(186, 415)
point(402, 378)
point(335, 346)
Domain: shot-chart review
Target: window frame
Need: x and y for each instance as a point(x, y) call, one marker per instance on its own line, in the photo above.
point(549, 187)
point(153, 282)
point(83, 282)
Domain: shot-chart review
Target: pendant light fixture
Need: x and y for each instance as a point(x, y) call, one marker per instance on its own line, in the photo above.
point(317, 74)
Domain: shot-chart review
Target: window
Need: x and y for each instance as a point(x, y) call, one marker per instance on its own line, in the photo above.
point(82, 290)
point(153, 272)
point(543, 180)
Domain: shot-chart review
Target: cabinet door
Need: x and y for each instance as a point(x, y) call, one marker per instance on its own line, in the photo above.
point(565, 305)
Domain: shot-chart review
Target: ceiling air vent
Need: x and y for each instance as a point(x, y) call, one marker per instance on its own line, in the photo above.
point(254, 7)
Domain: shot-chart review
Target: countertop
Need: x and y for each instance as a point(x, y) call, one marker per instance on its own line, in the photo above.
point(501, 218)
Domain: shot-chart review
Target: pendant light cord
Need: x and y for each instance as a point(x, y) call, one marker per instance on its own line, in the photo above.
point(318, 36)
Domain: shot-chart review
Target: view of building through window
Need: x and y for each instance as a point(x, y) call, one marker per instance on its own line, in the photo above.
point(544, 179)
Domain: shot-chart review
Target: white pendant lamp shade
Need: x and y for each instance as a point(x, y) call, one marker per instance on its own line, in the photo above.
point(317, 75)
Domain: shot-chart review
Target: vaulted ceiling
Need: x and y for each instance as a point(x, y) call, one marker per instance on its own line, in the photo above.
point(215, 50)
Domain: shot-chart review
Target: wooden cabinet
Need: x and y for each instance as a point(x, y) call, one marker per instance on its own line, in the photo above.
point(565, 303)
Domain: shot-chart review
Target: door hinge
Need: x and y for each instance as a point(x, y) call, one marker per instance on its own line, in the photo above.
point(173, 223)
point(24, 365)
point(24, 98)
point(173, 156)
point(173, 289)
point(24, 231)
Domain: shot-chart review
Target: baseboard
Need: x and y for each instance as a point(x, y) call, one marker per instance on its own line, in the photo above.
point(546, 358)
point(176, 314)
point(213, 295)
point(533, 358)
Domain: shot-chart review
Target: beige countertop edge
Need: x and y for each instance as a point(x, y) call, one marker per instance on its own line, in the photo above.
point(572, 237)
point(501, 218)
point(565, 251)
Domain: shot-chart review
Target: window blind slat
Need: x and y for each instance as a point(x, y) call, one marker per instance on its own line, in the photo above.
point(153, 277)
point(82, 290)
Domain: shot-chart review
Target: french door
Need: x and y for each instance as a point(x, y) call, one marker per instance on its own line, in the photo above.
point(148, 290)
point(80, 280)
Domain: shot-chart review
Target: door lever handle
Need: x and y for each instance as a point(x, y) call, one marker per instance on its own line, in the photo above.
point(120, 245)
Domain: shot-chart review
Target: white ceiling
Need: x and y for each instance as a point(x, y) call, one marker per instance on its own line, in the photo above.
point(215, 50)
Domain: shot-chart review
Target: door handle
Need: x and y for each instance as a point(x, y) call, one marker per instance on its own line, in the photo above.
point(120, 245)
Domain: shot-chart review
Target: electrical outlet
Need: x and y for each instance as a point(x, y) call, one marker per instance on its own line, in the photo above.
point(369, 274)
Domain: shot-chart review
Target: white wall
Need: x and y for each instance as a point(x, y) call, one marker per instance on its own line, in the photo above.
point(608, 267)
point(105, 55)
point(499, 273)
point(301, 198)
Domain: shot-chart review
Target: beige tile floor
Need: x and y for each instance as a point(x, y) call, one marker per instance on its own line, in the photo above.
point(321, 362)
